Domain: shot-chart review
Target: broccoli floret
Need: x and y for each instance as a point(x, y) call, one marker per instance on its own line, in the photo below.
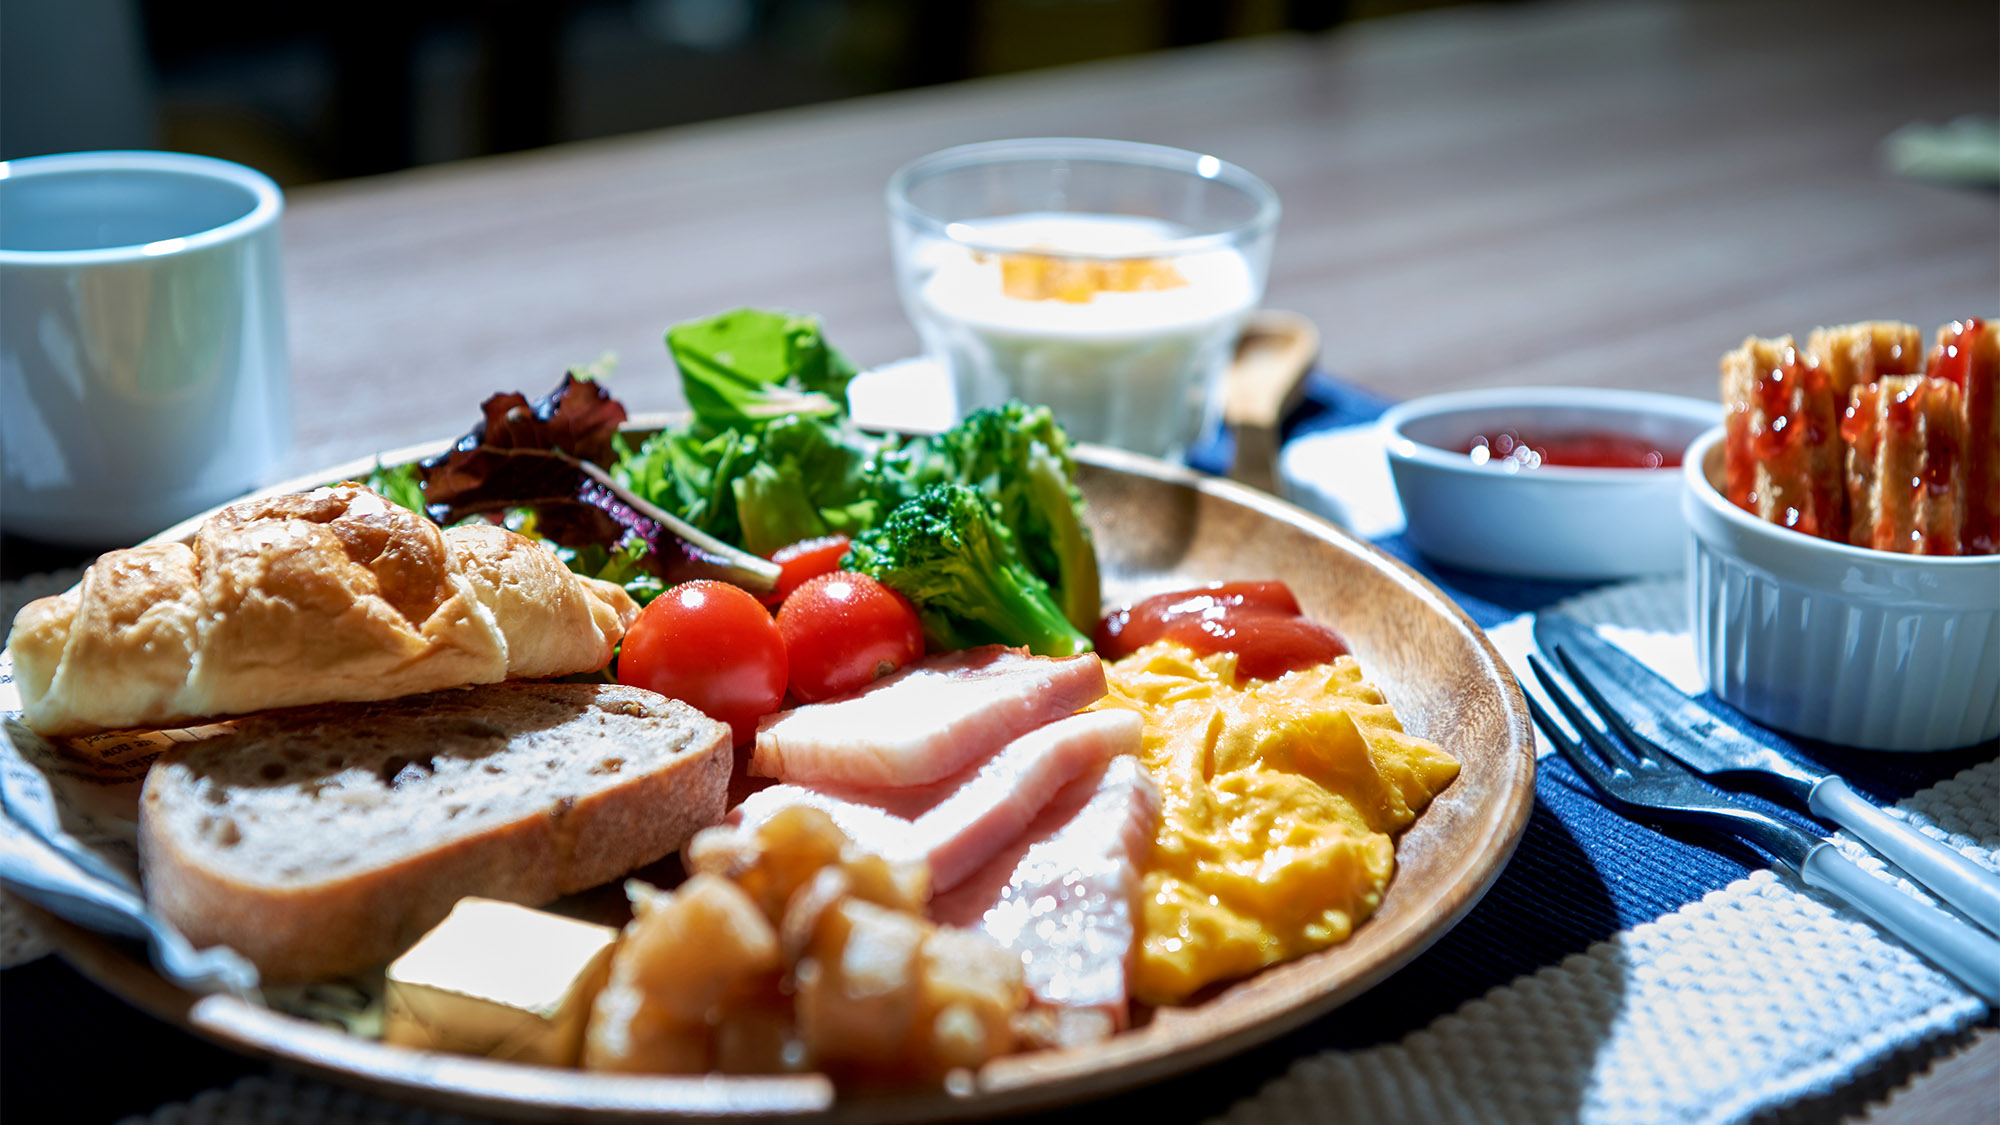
point(943, 550)
point(1019, 460)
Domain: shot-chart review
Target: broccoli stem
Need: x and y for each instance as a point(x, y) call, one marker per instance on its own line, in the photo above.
point(1023, 612)
point(944, 551)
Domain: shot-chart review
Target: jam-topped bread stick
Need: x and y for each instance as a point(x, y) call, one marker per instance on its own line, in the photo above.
point(1783, 455)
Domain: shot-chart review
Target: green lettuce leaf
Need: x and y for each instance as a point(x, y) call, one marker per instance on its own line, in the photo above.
point(750, 366)
point(401, 484)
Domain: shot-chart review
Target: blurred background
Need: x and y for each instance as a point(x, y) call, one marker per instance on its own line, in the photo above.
point(317, 91)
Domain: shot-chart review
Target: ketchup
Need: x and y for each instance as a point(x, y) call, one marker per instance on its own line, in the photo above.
point(1589, 449)
point(1258, 621)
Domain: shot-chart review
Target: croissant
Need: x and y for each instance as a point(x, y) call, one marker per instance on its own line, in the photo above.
point(326, 596)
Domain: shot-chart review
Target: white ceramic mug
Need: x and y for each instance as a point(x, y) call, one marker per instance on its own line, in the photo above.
point(143, 372)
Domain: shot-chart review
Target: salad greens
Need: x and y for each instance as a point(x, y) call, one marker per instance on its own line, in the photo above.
point(763, 486)
point(548, 458)
point(769, 458)
point(754, 365)
point(765, 462)
point(400, 484)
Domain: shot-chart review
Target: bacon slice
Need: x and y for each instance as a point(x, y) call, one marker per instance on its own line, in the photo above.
point(927, 721)
point(958, 824)
point(1066, 898)
point(1968, 356)
point(1905, 472)
point(1783, 457)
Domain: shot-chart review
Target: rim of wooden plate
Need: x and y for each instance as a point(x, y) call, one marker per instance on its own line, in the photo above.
point(1446, 861)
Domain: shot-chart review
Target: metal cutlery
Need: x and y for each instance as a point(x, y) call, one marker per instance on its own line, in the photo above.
point(1657, 788)
point(43, 863)
point(1649, 711)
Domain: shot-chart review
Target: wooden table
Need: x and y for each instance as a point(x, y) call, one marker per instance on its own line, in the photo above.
point(1581, 194)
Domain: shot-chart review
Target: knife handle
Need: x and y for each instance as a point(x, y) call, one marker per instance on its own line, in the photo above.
point(1970, 956)
point(1933, 865)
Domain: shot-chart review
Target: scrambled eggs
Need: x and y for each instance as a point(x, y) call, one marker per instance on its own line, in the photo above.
point(1281, 799)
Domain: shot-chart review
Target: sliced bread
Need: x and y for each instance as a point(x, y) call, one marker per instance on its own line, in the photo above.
point(319, 841)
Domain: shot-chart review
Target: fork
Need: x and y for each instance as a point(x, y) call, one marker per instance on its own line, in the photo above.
point(1644, 787)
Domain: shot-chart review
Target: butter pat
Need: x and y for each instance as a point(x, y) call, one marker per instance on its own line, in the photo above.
point(498, 979)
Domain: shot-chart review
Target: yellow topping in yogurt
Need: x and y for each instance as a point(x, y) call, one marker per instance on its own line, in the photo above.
point(1042, 277)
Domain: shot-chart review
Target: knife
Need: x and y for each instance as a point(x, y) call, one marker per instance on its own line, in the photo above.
point(1652, 711)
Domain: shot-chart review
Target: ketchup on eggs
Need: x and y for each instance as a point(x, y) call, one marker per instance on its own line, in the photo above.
point(1258, 621)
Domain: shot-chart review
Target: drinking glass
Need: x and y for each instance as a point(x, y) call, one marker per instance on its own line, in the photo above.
point(1105, 279)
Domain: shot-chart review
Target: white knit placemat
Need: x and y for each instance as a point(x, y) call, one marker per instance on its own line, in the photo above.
point(1755, 996)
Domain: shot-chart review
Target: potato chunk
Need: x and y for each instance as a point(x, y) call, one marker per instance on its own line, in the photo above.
point(789, 949)
point(889, 994)
point(859, 986)
point(788, 850)
point(971, 990)
point(685, 956)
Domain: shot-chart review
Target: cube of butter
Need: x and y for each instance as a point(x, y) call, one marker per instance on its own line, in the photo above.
point(498, 979)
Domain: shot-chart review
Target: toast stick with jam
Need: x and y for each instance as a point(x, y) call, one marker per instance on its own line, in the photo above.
point(1968, 355)
point(1905, 475)
point(1783, 455)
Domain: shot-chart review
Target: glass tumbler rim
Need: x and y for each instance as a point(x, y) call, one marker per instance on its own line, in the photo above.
point(1137, 154)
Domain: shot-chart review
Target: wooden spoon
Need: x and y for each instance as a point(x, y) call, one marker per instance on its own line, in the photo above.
point(1263, 384)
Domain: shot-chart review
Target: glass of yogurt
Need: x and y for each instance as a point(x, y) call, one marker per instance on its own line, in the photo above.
point(1104, 279)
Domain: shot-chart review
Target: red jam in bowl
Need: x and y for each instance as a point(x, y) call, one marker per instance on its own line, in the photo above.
point(1258, 621)
point(1587, 449)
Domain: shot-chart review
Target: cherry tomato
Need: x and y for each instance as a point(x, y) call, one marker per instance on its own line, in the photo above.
point(843, 631)
point(711, 645)
point(807, 558)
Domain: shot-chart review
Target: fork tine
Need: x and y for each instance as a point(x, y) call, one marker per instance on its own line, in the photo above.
point(1558, 732)
point(1592, 770)
point(1644, 747)
point(1607, 746)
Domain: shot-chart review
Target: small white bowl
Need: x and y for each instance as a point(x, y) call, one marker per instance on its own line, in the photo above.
point(1848, 645)
point(1552, 521)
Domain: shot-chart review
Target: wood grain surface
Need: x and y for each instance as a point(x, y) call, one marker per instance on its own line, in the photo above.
point(1604, 194)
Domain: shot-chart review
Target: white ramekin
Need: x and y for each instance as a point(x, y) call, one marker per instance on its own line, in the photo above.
point(1553, 521)
point(1845, 644)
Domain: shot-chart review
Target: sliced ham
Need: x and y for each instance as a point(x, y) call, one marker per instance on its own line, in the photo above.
point(926, 722)
point(956, 825)
point(1065, 896)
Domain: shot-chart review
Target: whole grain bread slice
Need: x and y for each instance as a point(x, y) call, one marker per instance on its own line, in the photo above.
point(319, 841)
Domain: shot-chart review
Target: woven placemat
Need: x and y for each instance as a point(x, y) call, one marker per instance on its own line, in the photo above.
point(18, 943)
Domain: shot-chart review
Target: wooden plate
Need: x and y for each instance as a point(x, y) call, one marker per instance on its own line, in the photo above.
point(1158, 527)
